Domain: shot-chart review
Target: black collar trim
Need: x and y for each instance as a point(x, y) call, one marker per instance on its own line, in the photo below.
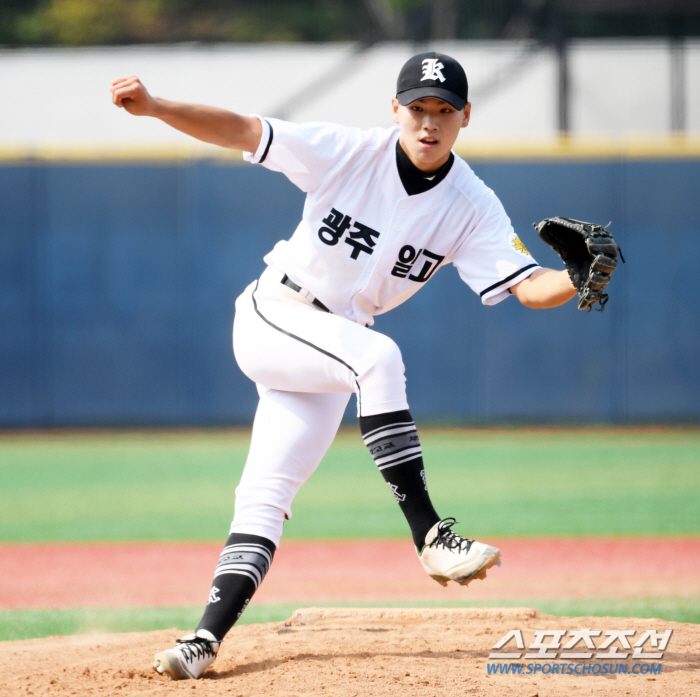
point(414, 180)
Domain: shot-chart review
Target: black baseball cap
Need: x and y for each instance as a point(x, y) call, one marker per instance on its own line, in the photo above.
point(432, 75)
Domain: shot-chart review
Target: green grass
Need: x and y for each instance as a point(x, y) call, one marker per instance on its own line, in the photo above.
point(29, 624)
point(508, 482)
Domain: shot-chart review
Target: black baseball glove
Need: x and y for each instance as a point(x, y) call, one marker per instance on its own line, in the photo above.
point(589, 253)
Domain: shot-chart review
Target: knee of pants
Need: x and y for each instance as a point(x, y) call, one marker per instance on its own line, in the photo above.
point(259, 518)
point(382, 358)
point(382, 380)
point(262, 506)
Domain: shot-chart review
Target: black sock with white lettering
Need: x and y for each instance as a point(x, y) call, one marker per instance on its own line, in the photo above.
point(242, 566)
point(392, 440)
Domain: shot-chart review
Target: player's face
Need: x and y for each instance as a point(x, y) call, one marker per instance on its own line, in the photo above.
point(429, 129)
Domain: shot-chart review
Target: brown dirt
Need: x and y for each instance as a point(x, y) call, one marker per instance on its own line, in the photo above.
point(382, 653)
point(168, 574)
point(346, 653)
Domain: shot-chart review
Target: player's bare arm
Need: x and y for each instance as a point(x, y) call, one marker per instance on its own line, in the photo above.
point(544, 288)
point(206, 123)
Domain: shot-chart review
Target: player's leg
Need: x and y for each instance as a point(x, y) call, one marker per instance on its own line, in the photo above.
point(242, 566)
point(291, 433)
point(282, 341)
point(392, 440)
point(298, 347)
point(285, 343)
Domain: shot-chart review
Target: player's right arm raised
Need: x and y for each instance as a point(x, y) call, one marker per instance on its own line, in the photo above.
point(206, 123)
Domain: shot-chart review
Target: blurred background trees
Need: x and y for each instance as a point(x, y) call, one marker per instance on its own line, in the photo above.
point(119, 22)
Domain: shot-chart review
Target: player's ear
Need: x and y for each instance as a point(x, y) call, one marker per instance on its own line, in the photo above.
point(467, 114)
point(395, 108)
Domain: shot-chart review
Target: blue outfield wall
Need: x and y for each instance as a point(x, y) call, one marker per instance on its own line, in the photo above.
point(118, 281)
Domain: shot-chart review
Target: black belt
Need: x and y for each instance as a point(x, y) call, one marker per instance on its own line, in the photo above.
point(290, 284)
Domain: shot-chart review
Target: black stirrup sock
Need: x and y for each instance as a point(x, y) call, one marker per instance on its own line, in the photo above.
point(392, 440)
point(242, 566)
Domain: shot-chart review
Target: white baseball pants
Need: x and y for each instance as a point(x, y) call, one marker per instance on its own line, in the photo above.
point(306, 363)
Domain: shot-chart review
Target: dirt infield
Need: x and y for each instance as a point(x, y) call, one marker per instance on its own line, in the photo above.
point(170, 574)
point(349, 653)
point(352, 653)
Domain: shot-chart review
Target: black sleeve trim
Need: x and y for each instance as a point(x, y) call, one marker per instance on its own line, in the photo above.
point(505, 280)
point(269, 143)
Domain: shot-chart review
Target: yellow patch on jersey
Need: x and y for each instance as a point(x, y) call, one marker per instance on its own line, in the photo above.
point(518, 244)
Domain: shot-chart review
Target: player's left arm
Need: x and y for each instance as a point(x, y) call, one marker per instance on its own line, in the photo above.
point(544, 288)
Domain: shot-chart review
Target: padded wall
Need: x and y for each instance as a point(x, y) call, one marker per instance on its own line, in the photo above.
point(117, 286)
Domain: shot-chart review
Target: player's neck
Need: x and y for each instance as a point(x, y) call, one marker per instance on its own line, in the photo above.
point(414, 180)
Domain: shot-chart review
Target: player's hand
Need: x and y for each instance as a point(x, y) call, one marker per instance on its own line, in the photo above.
point(130, 94)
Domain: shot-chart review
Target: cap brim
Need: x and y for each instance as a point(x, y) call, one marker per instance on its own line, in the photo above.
point(410, 96)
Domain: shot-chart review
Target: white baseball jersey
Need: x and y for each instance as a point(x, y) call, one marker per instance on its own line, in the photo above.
point(364, 245)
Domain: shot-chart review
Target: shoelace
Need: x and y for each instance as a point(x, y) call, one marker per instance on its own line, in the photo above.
point(450, 540)
point(195, 648)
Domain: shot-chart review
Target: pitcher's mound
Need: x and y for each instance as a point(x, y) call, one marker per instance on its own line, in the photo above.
point(370, 652)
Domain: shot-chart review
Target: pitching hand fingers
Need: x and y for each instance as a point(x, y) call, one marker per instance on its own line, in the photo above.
point(130, 94)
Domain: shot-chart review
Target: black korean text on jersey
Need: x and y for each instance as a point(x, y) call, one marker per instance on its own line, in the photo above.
point(361, 238)
point(408, 256)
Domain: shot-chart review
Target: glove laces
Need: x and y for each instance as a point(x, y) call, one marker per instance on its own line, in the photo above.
point(450, 540)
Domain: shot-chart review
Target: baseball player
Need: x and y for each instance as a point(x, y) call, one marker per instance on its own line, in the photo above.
point(385, 209)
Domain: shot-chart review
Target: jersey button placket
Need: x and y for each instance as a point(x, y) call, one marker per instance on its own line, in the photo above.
point(399, 215)
point(398, 220)
point(370, 274)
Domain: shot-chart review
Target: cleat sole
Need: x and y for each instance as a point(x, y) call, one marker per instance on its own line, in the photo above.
point(480, 573)
point(442, 580)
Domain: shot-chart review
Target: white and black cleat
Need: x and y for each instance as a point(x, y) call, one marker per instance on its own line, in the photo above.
point(447, 556)
point(193, 654)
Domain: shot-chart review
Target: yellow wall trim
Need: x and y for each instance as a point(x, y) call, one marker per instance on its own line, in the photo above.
point(127, 153)
point(673, 147)
point(650, 148)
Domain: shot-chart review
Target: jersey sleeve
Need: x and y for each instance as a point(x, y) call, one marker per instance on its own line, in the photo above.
point(305, 153)
point(492, 258)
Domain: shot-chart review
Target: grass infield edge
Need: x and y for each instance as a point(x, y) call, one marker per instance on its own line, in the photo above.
point(32, 624)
